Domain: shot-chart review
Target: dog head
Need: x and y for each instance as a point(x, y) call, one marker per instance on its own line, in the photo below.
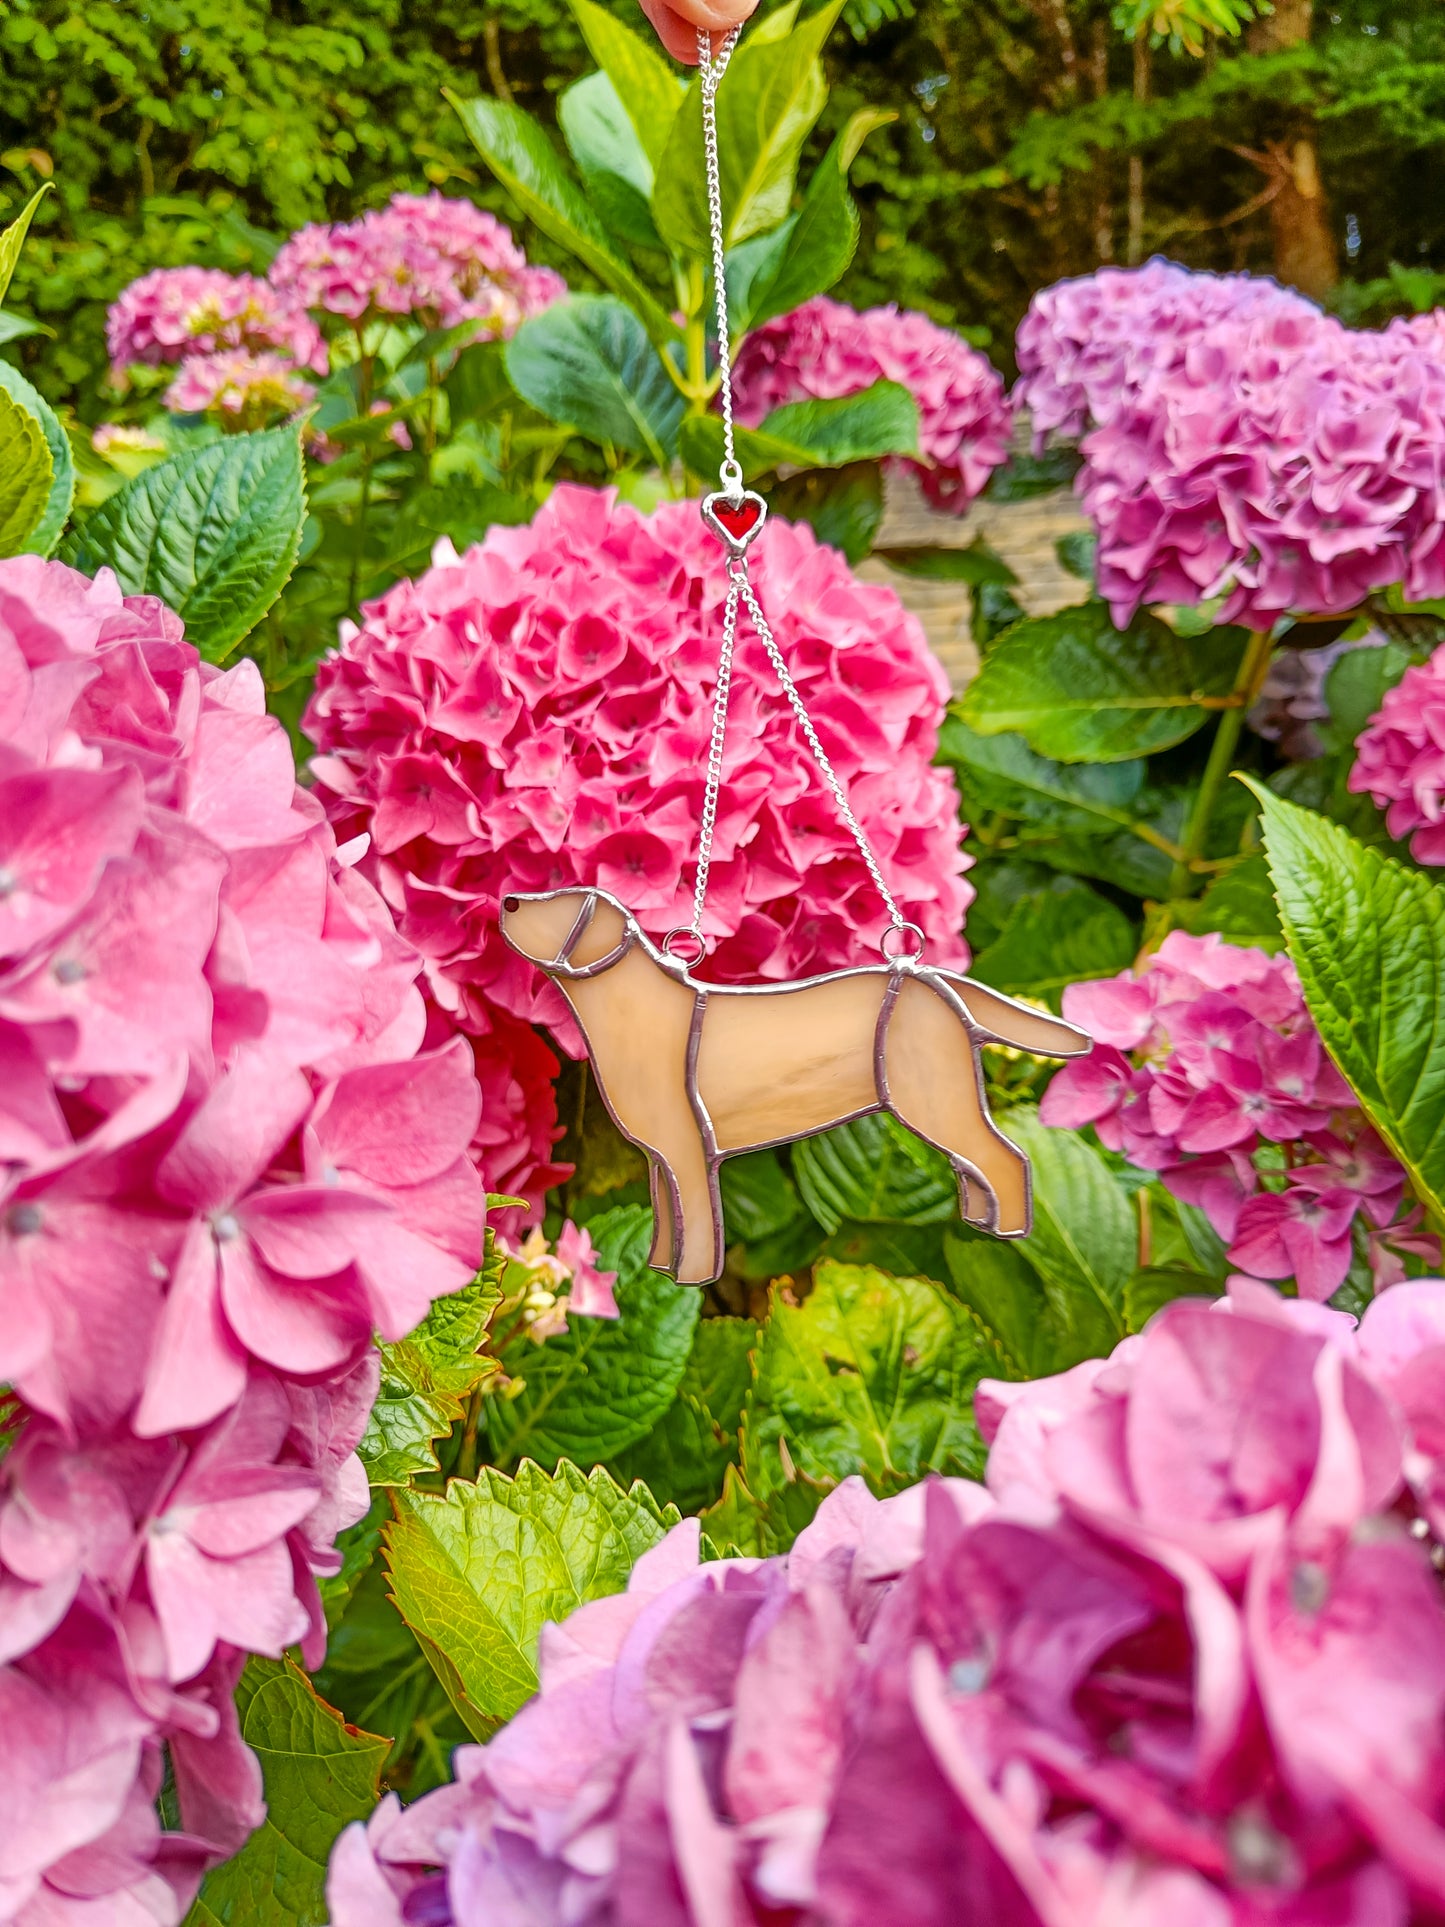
point(568, 933)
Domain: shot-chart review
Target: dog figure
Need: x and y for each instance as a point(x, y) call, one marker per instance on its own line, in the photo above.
point(694, 1073)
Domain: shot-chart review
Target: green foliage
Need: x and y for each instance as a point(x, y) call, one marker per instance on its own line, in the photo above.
point(684, 1459)
point(604, 1383)
point(874, 1171)
point(214, 532)
point(588, 362)
point(1055, 933)
point(26, 474)
point(12, 239)
point(1367, 936)
point(477, 1573)
point(45, 532)
point(320, 1775)
point(429, 1380)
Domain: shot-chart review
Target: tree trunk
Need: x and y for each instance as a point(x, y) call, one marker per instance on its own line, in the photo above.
point(1306, 255)
point(1135, 250)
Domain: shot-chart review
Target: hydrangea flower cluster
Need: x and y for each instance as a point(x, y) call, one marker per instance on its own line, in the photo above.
point(535, 714)
point(171, 314)
point(1204, 1061)
point(1182, 1660)
point(223, 1163)
point(554, 1283)
point(1267, 455)
point(443, 260)
point(1401, 759)
point(250, 389)
point(1086, 347)
point(826, 349)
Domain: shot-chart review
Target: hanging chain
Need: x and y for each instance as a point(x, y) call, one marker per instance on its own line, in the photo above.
point(711, 68)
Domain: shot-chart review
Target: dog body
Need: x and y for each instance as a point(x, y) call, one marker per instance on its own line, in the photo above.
point(694, 1073)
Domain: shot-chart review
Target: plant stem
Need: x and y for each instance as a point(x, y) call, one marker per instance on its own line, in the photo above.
point(1252, 672)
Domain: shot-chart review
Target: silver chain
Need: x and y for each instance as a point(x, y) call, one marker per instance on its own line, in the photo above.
point(711, 69)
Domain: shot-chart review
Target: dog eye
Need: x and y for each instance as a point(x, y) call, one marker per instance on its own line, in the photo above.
point(511, 904)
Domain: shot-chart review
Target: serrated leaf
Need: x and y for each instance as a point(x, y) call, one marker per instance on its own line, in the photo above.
point(684, 1458)
point(12, 238)
point(47, 531)
point(518, 152)
point(587, 362)
point(1085, 1241)
point(772, 94)
point(25, 474)
point(1155, 1287)
point(1075, 687)
point(1367, 936)
point(320, 1775)
point(477, 1574)
point(876, 421)
point(1003, 773)
point(741, 1525)
point(612, 160)
point(214, 532)
point(874, 1170)
point(1055, 936)
point(871, 1374)
point(428, 1378)
point(647, 87)
point(604, 1383)
point(821, 239)
point(1037, 1327)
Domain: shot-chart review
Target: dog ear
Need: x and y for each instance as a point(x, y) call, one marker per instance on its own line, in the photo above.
point(1020, 1024)
point(606, 927)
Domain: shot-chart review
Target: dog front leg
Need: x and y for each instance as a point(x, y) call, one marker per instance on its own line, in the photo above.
point(666, 1254)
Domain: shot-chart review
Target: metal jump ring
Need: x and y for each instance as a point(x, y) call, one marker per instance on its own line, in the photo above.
point(697, 938)
point(902, 956)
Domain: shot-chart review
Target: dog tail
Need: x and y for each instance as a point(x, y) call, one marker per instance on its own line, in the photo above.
point(997, 1019)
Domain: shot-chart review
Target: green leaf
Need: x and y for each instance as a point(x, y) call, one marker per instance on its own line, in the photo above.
point(1367, 936)
point(477, 1574)
point(870, 1375)
point(648, 89)
point(684, 1458)
point(460, 509)
point(1003, 773)
point(48, 530)
point(773, 92)
point(605, 1382)
point(874, 1170)
point(12, 238)
point(842, 506)
point(612, 160)
point(1239, 905)
point(1357, 685)
point(977, 564)
point(320, 1775)
point(15, 327)
point(26, 474)
point(1036, 1326)
point(1054, 936)
point(213, 532)
point(1150, 1290)
point(1085, 1242)
point(588, 362)
point(823, 237)
point(525, 162)
point(1075, 687)
point(876, 421)
point(427, 1380)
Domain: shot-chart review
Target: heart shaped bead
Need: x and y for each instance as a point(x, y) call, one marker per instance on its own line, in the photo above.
point(737, 519)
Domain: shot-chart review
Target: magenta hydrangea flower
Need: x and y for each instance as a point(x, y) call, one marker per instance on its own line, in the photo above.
point(1181, 1661)
point(1204, 1058)
point(1400, 759)
point(825, 349)
point(243, 389)
point(228, 1154)
point(172, 313)
point(441, 259)
point(535, 714)
point(1087, 346)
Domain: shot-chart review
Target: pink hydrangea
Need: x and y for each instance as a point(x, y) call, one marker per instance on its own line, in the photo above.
point(225, 1160)
point(441, 259)
point(1400, 759)
point(243, 389)
point(1182, 1661)
point(1204, 1058)
point(1087, 346)
point(825, 349)
point(1267, 456)
point(535, 714)
point(172, 313)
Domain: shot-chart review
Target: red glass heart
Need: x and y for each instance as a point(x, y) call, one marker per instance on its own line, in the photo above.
point(737, 521)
